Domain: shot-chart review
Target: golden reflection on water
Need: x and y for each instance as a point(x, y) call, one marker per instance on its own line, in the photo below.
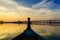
point(9, 31)
point(46, 30)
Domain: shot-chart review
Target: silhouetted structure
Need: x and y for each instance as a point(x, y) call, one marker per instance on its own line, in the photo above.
point(29, 34)
point(14, 22)
point(1, 22)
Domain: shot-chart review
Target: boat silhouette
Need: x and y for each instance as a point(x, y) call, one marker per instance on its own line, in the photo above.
point(29, 34)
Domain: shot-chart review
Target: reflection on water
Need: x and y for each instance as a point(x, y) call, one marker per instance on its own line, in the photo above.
point(46, 30)
point(8, 31)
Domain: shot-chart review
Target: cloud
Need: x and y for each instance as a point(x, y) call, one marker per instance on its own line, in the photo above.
point(47, 10)
point(38, 5)
point(11, 6)
point(27, 3)
point(12, 10)
point(44, 4)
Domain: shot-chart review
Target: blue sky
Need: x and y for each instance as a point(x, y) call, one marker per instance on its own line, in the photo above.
point(36, 9)
point(29, 3)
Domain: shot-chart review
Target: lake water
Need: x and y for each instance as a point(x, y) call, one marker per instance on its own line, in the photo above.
point(9, 31)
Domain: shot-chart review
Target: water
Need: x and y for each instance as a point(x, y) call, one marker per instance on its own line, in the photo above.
point(9, 31)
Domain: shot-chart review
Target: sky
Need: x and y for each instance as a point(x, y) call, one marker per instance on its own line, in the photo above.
point(13, 10)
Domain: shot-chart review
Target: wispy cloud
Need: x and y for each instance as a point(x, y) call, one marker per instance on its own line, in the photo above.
point(44, 4)
point(27, 3)
point(42, 10)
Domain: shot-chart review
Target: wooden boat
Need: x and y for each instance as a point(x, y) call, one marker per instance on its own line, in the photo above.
point(29, 34)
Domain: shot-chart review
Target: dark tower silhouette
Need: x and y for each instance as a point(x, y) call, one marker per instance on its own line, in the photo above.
point(29, 34)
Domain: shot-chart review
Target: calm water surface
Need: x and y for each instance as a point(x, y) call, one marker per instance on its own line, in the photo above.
point(9, 31)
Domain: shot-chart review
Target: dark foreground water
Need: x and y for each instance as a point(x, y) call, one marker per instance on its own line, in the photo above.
point(9, 31)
